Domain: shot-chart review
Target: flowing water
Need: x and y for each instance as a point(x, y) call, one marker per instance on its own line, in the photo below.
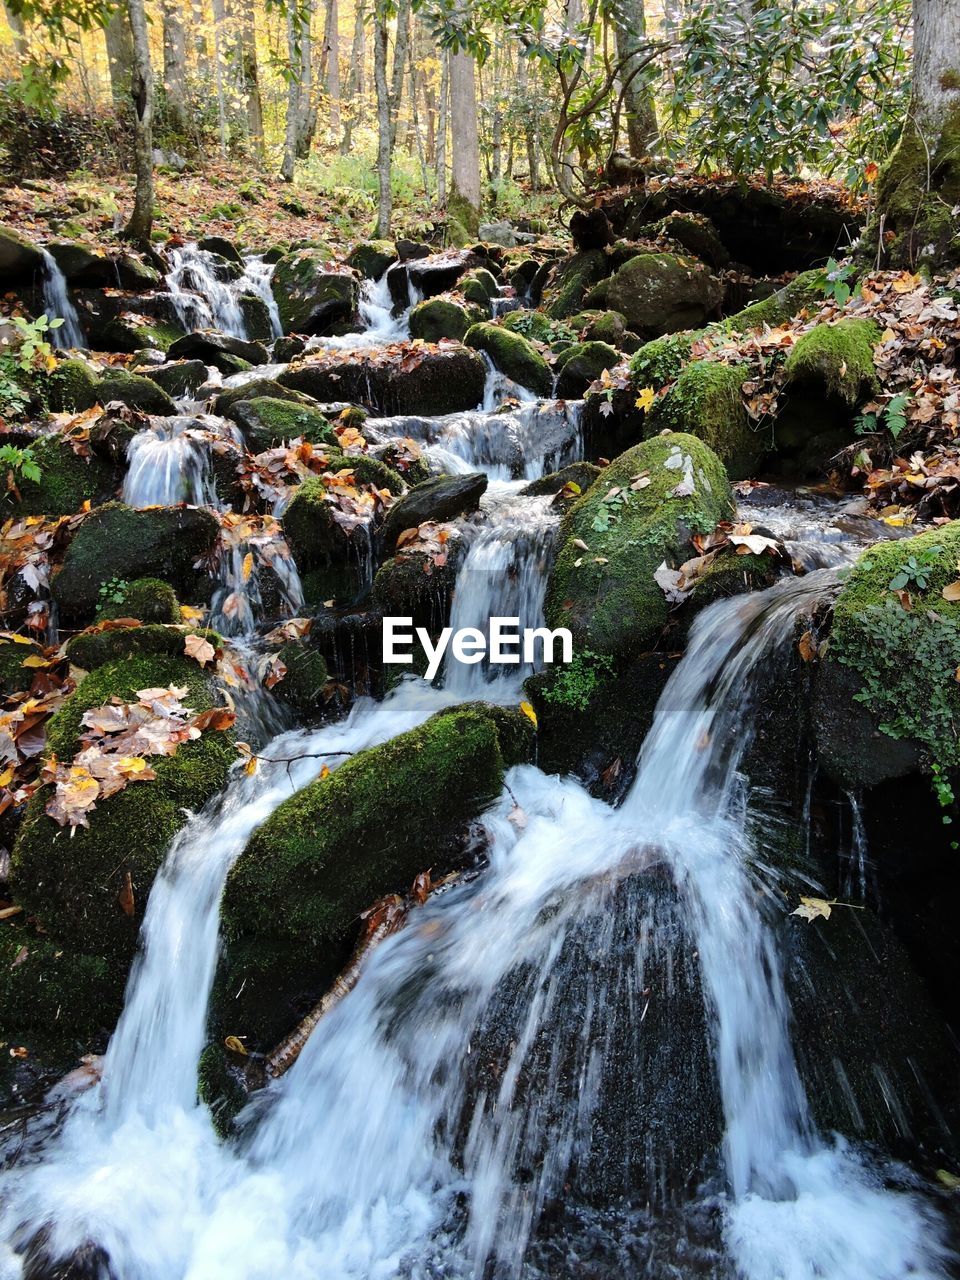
point(57, 305)
point(203, 300)
point(599, 1017)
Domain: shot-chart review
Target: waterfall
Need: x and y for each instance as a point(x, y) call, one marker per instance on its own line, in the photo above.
point(203, 301)
point(58, 306)
point(256, 279)
point(434, 1112)
point(169, 463)
point(380, 327)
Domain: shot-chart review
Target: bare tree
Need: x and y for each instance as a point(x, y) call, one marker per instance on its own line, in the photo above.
point(463, 202)
point(629, 21)
point(247, 70)
point(380, 39)
point(331, 63)
point(174, 65)
point(443, 124)
point(15, 23)
point(141, 91)
point(119, 41)
point(354, 86)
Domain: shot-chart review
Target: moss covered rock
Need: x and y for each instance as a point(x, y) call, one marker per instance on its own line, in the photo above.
point(70, 882)
point(836, 359)
point(302, 687)
point(267, 421)
point(372, 257)
point(180, 378)
point(582, 364)
point(427, 381)
point(148, 599)
point(661, 360)
point(331, 560)
point(253, 389)
point(95, 648)
point(607, 595)
point(47, 985)
point(706, 402)
point(343, 842)
point(570, 281)
point(312, 293)
point(67, 480)
point(479, 287)
point(116, 542)
point(19, 259)
point(440, 498)
point(659, 293)
point(14, 676)
point(805, 290)
point(513, 355)
point(71, 387)
point(438, 318)
point(530, 324)
point(369, 470)
point(887, 698)
point(136, 333)
point(135, 391)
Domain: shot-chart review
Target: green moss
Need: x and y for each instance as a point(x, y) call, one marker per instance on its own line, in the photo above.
point(14, 676)
point(513, 355)
point(463, 220)
point(661, 361)
point(218, 1089)
point(706, 402)
point(438, 318)
point(67, 480)
point(607, 595)
point(806, 290)
point(369, 470)
point(268, 421)
point(582, 364)
point(367, 829)
point(253, 390)
point(660, 293)
point(571, 279)
point(479, 287)
point(70, 882)
point(44, 984)
point(71, 387)
point(372, 257)
point(91, 649)
point(608, 326)
point(411, 586)
point(576, 684)
point(302, 686)
point(916, 194)
point(530, 324)
point(148, 599)
point(136, 392)
point(310, 293)
point(838, 358)
point(906, 659)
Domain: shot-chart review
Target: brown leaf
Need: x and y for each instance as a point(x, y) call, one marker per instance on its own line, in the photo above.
point(125, 896)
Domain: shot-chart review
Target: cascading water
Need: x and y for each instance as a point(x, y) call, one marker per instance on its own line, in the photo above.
point(380, 327)
point(434, 1112)
point(169, 463)
point(58, 306)
point(202, 300)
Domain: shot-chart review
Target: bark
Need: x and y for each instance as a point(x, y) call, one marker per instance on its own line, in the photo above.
point(380, 38)
point(201, 49)
point(415, 121)
point(629, 23)
point(331, 49)
point(299, 86)
point(919, 187)
point(442, 127)
point(141, 92)
point(354, 87)
point(307, 113)
point(219, 48)
point(174, 66)
point(248, 71)
point(399, 67)
point(15, 23)
point(463, 203)
point(119, 41)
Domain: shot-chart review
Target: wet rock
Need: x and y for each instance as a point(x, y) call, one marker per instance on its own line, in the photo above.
point(134, 273)
point(706, 400)
point(83, 265)
point(442, 498)
point(372, 257)
point(580, 365)
point(413, 586)
point(267, 421)
point(575, 479)
point(303, 685)
point(429, 275)
point(422, 381)
point(287, 349)
point(253, 389)
point(180, 378)
point(67, 480)
point(118, 542)
point(72, 387)
point(569, 281)
point(20, 260)
point(513, 355)
point(256, 317)
point(213, 347)
point(659, 293)
point(607, 594)
point(438, 318)
point(590, 229)
point(222, 247)
point(335, 563)
point(312, 293)
point(135, 391)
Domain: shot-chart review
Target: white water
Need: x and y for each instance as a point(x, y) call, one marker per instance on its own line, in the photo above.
point(379, 326)
point(169, 463)
point(354, 1164)
point(202, 301)
point(58, 306)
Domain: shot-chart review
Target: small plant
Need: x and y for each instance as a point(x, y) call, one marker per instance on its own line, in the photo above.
point(19, 464)
point(33, 351)
point(836, 281)
point(112, 592)
point(575, 684)
point(916, 570)
point(609, 513)
point(893, 416)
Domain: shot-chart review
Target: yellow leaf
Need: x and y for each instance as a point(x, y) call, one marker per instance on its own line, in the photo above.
point(812, 908)
point(7, 776)
point(247, 566)
point(34, 660)
point(235, 1045)
point(325, 772)
point(949, 1180)
point(646, 398)
point(529, 712)
point(870, 173)
point(132, 764)
point(251, 766)
point(951, 592)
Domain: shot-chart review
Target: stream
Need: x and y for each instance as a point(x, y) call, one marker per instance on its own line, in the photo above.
point(452, 1117)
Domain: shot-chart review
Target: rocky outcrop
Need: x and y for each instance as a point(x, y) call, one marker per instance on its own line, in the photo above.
point(313, 293)
point(422, 380)
point(442, 498)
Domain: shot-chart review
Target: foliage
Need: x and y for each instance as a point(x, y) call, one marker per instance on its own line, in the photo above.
point(914, 573)
point(111, 593)
point(575, 683)
point(892, 415)
point(19, 464)
point(835, 280)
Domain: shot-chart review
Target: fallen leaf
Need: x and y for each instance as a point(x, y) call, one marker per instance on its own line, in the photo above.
point(125, 896)
point(813, 908)
point(235, 1045)
point(529, 712)
point(202, 651)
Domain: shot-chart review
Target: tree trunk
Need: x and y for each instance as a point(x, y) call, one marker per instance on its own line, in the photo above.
point(629, 22)
point(331, 47)
point(119, 42)
point(380, 37)
point(463, 203)
point(307, 113)
point(248, 71)
point(141, 92)
point(442, 127)
point(219, 41)
point(201, 50)
point(399, 66)
point(299, 84)
point(15, 23)
point(174, 66)
point(354, 94)
point(919, 188)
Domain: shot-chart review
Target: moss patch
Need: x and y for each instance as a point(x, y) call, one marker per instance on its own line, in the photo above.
point(706, 402)
point(148, 599)
point(92, 649)
point(838, 358)
point(67, 481)
point(136, 392)
point(268, 421)
point(438, 318)
point(71, 387)
point(513, 355)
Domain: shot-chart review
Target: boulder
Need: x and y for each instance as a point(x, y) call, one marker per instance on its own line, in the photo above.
point(267, 421)
point(332, 560)
point(71, 387)
point(222, 247)
point(436, 273)
point(180, 379)
point(83, 265)
point(607, 594)
point(326, 854)
point(513, 355)
point(257, 323)
point(412, 585)
point(479, 287)
point(134, 273)
point(442, 498)
point(253, 389)
point(149, 599)
point(569, 282)
point(835, 360)
point(212, 348)
point(135, 391)
point(303, 685)
point(422, 380)
point(887, 701)
point(116, 542)
point(67, 480)
point(20, 260)
point(372, 257)
point(580, 365)
point(660, 293)
point(706, 401)
point(313, 293)
point(14, 676)
point(437, 318)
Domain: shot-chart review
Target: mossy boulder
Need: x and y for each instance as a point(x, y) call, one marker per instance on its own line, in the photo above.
point(71, 387)
point(14, 676)
point(149, 599)
point(302, 687)
point(426, 381)
point(805, 290)
point(267, 421)
point(341, 843)
point(19, 259)
point(257, 322)
point(332, 562)
point(116, 542)
point(413, 586)
point(661, 360)
point(47, 986)
point(180, 378)
point(706, 402)
point(887, 700)
point(582, 364)
point(312, 293)
point(513, 355)
point(70, 881)
point(608, 326)
point(136, 333)
point(565, 486)
point(607, 595)
point(67, 480)
point(252, 389)
point(225, 352)
point(479, 287)
point(437, 318)
point(95, 647)
point(836, 360)
point(530, 324)
point(136, 392)
point(918, 191)
point(372, 257)
point(368, 470)
point(570, 281)
point(659, 293)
